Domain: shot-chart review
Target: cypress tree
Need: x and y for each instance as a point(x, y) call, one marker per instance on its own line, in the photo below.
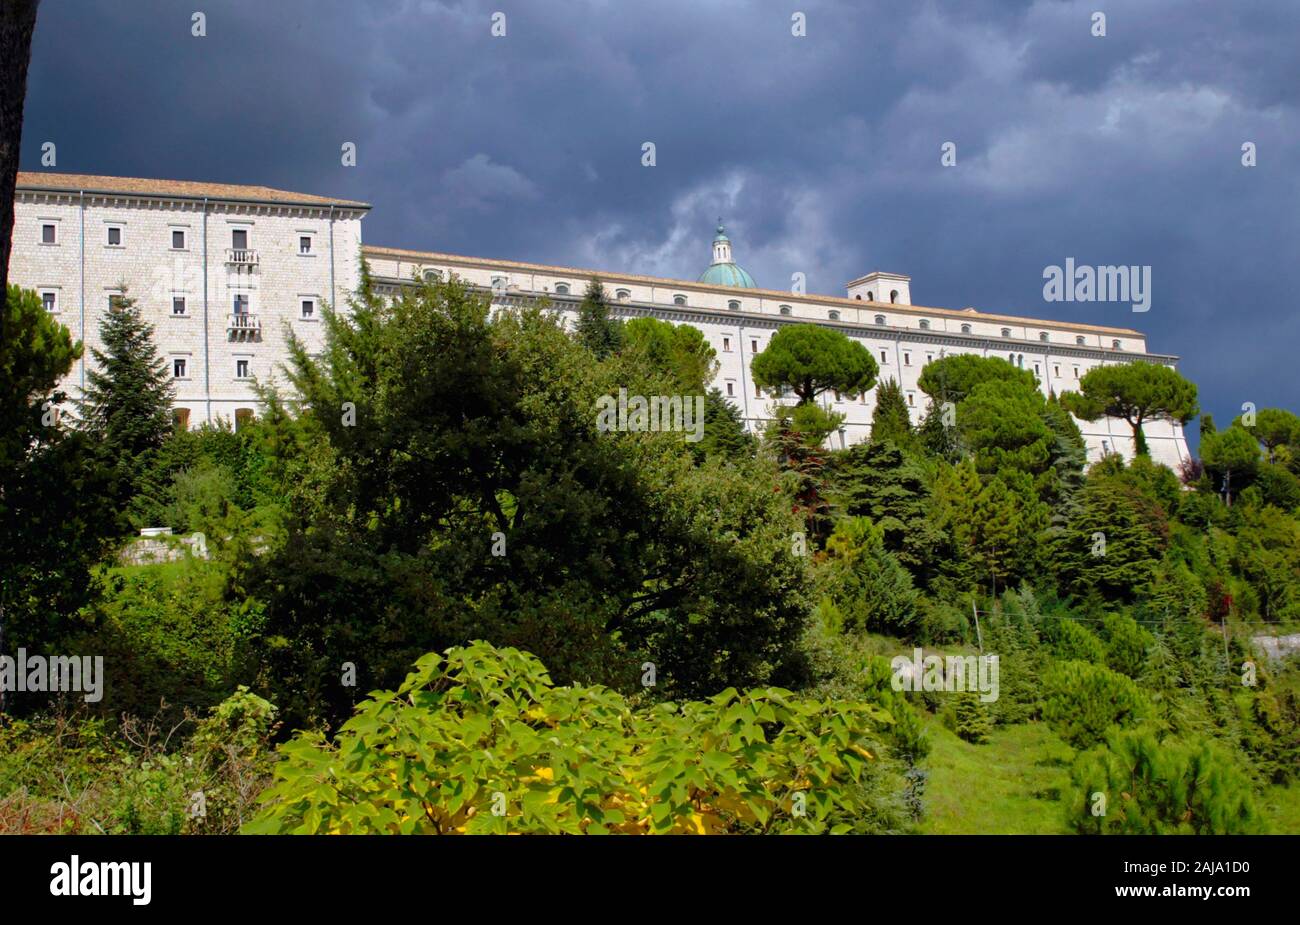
point(597, 331)
point(890, 420)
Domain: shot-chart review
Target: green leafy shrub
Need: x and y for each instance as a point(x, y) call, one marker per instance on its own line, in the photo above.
point(866, 582)
point(971, 718)
point(1151, 787)
point(481, 741)
point(1071, 641)
point(1082, 702)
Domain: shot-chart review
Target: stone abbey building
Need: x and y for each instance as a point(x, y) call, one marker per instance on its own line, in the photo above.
point(223, 271)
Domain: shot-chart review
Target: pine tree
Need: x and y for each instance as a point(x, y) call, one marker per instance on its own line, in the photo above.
point(127, 406)
point(890, 420)
point(597, 331)
point(995, 533)
point(724, 430)
point(972, 718)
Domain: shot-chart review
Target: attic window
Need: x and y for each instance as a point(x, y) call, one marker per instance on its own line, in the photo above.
point(733, 304)
point(1043, 336)
point(965, 328)
point(893, 295)
point(623, 294)
point(1006, 332)
point(1078, 339)
point(679, 299)
point(880, 319)
point(785, 309)
point(925, 325)
point(1115, 345)
point(835, 316)
point(561, 288)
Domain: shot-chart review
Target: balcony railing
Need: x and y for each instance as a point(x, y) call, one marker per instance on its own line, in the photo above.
point(241, 257)
point(243, 326)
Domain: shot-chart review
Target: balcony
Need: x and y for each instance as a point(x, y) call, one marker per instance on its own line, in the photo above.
point(243, 326)
point(241, 257)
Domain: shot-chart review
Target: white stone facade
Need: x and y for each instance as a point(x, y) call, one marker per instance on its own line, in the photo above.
point(174, 251)
point(228, 351)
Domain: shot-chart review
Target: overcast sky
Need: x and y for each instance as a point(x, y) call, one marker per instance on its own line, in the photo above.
point(821, 152)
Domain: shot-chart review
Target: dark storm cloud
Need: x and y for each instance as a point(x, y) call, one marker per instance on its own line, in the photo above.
point(822, 153)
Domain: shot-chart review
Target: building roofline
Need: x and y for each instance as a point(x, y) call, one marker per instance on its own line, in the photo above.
point(97, 185)
point(776, 294)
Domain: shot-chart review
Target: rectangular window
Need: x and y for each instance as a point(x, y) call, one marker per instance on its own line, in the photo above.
point(50, 301)
point(241, 369)
point(883, 358)
point(907, 358)
point(911, 399)
point(929, 358)
point(239, 239)
point(308, 308)
point(758, 392)
point(731, 388)
point(241, 304)
point(178, 239)
point(178, 305)
point(753, 345)
point(49, 233)
point(726, 345)
point(114, 236)
point(1076, 372)
point(1056, 371)
point(304, 244)
point(1038, 371)
point(178, 367)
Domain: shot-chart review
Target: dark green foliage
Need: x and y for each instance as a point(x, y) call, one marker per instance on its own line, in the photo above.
point(1115, 540)
point(1231, 460)
point(890, 420)
point(725, 436)
point(1127, 644)
point(55, 516)
point(679, 351)
point(1071, 641)
point(954, 378)
point(127, 406)
point(882, 482)
point(597, 331)
point(1154, 787)
point(866, 582)
point(811, 359)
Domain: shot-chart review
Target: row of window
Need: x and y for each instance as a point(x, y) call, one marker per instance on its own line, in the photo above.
point(181, 367)
point(180, 305)
point(115, 236)
point(181, 418)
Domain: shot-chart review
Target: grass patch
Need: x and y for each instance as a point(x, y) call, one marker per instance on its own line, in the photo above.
point(1011, 785)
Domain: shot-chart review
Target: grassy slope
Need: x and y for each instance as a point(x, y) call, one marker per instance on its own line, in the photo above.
point(1007, 786)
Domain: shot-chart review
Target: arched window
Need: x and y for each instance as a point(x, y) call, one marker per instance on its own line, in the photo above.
point(965, 328)
point(1042, 336)
point(679, 299)
point(785, 309)
point(1006, 332)
point(871, 297)
point(893, 295)
point(733, 304)
point(1115, 345)
point(1020, 361)
point(858, 297)
point(1078, 339)
point(835, 316)
point(623, 294)
point(925, 324)
point(432, 276)
point(880, 319)
point(561, 288)
point(1011, 358)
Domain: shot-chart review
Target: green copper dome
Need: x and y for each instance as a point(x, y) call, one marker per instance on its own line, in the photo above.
point(724, 271)
point(728, 274)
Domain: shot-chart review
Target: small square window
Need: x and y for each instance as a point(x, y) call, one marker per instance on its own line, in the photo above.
point(114, 236)
point(304, 244)
point(50, 301)
point(241, 304)
point(178, 305)
point(178, 239)
point(241, 369)
point(49, 233)
point(308, 308)
point(178, 367)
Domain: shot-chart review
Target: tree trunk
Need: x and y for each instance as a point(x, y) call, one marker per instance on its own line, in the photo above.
point(17, 21)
